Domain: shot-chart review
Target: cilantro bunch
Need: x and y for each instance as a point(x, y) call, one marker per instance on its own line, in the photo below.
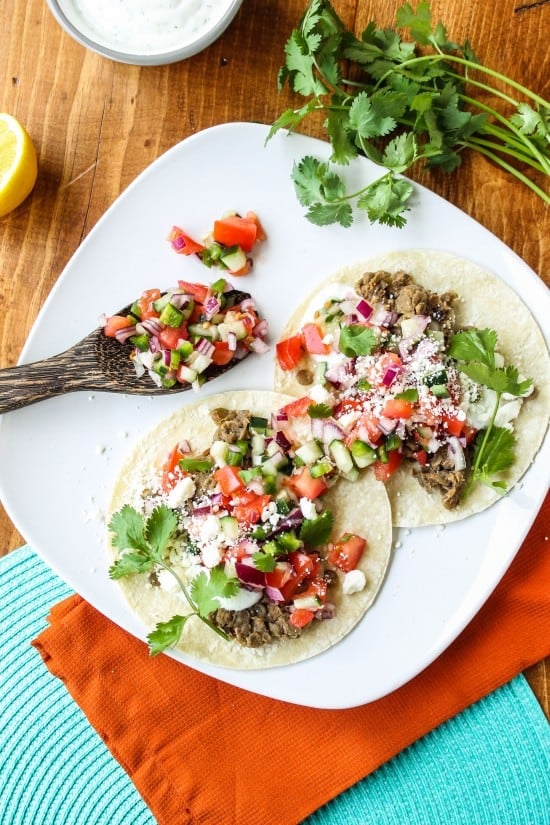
point(494, 448)
point(143, 544)
point(398, 102)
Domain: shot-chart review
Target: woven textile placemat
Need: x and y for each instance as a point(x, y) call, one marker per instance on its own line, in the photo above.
point(490, 765)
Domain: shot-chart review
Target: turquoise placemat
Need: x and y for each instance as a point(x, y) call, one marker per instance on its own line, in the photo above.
point(490, 765)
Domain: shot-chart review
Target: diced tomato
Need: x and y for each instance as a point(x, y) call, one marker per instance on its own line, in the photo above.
point(397, 408)
point(260, 231)
point(346, 552)
point(453, 425)
point(304, 485)
point(198, 291)
point(236, 552)
point(280, 575)
point(182, 243)
point(171, 472)
point(301, 618)
point(145, 304)
point(313, 341)
point(170, 336)
point(304, 564)
point(383, 470)
point(298, 408)
point(422, 457)
point(366, 429)
point(235, 230)
point(249, 507)
point(289, 351)
point(222, 354)
point(229, 480)
point(469, 433)
point(114, 323)
point(316, 587)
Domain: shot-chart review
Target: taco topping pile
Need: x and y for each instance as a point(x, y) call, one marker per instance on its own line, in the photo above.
point(399, 383)
point(177, 335)
point(241, 531)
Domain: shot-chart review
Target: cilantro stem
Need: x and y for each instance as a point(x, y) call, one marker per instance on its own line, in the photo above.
point(192, 604)
point(513, 171)
point(486, 434)
point(475, 141)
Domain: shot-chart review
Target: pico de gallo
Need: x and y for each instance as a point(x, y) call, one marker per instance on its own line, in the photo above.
point(251, 509)
point(178, 334)
point(377, 356)
point(227, 246)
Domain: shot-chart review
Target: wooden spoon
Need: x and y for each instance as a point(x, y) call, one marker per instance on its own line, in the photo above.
point(95, 363)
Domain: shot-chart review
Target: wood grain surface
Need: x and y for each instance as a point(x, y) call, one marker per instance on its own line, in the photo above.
point(97, 124)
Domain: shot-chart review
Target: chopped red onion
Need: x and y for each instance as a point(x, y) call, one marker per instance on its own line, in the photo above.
point(249, 574)
point(178, 243)
point(390, 375)
point(180, 300)
point(260, 330)
point(387, 425)
point(282, 441)
point(456, 453)
point(231, 341)
point(123, 334)
point(383, 317)
point(211, 307)
point(364, 309)
point(150, 325)
point(202, 509)
point(258, 345)
point(274, 594)
point(205, 346)
point(327, 611)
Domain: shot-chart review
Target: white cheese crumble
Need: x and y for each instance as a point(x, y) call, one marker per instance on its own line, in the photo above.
point(353, 582)
point(183, 490)
point(307, 506)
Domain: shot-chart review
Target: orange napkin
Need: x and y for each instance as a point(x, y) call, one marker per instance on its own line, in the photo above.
point(200, 751)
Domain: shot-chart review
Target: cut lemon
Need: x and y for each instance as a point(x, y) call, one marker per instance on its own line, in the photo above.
point(18, 164)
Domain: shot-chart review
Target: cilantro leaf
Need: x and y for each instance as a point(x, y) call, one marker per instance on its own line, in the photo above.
point(128, 530)
point(161, 526)
point(474, 345)
point(166, 634)
point(493, 454)
point(315, 532)
point(130, 563)
point(264, 562)
point(500, 379)
point(207, 588)
point(386, 200)
point(322, 214)
point(319, 411)
point(356, 340)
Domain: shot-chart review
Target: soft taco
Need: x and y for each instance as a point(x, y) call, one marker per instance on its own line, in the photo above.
point(434, 371)
point(232, 501)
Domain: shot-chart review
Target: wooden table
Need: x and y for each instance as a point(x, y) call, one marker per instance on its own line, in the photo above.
point(97, 124)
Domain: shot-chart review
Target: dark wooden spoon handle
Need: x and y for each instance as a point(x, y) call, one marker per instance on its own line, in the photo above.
point(29, 383)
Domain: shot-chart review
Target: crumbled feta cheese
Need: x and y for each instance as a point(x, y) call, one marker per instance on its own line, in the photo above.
point(211, 554)
point(354, 582)
point(167, 582)
point(308, 508)
point(319, 394)
point(183, 490)
point(210, 527)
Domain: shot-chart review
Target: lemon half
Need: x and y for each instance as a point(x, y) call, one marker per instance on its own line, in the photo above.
point(18, 164)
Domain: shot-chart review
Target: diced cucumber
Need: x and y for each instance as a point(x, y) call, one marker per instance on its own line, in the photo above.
point(258, 424)
point(185, 348)
point(186, 373)
point(341, 455)
point(230, 526)
point(218, 451)
point(171, 316)
point(362, 453)
point(199, 361)
point(236, 327)
point(141, 342)
point(274, 463)
point(202, 330)
point(257, 444)
point(307, 602)
point(161, 302)
point(439, 390)
point(353, 474)
point(234, 259)
point(322, 468)
point(310, 452)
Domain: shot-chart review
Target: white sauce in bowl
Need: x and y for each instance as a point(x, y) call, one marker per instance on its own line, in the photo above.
point(144, 26)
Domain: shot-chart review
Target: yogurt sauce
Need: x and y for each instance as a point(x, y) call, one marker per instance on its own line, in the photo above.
point(144, 26)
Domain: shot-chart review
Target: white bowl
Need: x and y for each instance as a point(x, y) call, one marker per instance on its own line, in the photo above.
point(170, 43)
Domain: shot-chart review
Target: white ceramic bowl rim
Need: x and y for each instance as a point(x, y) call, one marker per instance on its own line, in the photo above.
point(155, 58)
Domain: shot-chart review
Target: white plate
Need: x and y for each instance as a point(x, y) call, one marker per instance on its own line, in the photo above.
point(58, 459)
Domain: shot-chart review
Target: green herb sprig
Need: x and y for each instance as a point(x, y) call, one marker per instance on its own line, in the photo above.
point(494, 447)
point(143, 543)
point(399, 102)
